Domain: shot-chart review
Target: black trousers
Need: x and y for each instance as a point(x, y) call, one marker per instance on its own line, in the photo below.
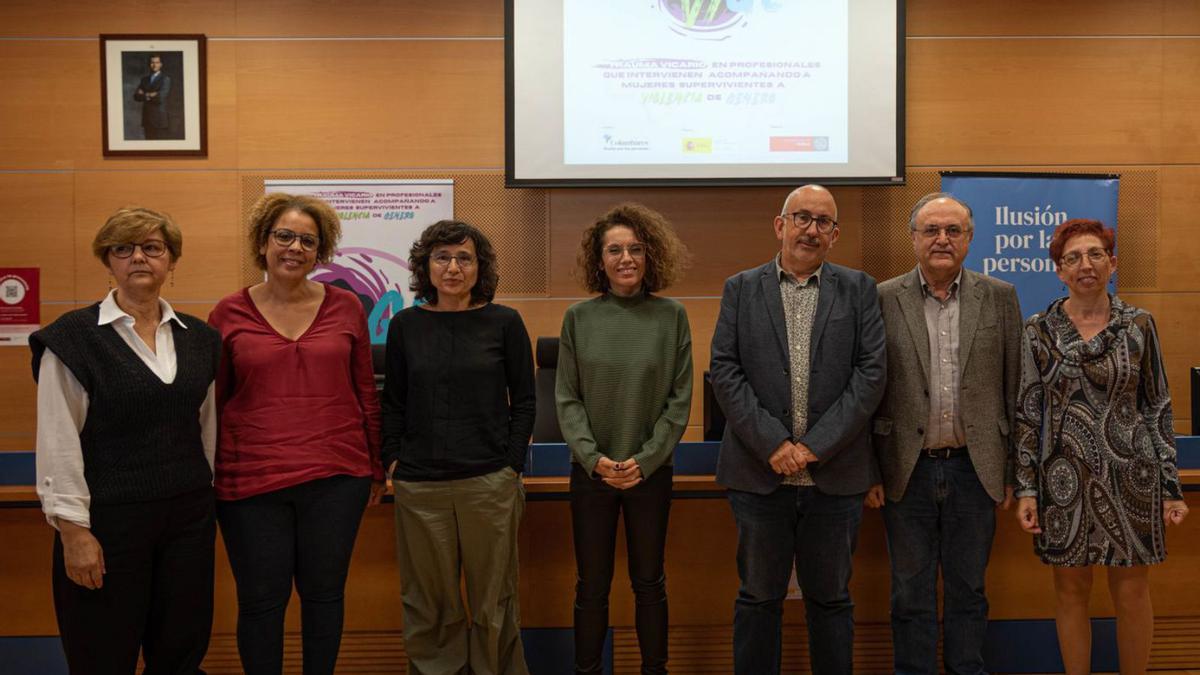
point(304, 532)
point(157, 596)
point(595, 507)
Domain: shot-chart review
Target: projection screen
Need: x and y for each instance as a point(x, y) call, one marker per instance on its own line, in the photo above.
point(710, 92)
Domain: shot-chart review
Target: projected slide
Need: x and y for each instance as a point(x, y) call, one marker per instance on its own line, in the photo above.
point(696, 82)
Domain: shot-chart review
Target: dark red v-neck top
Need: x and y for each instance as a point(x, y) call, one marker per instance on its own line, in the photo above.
point(292, 411)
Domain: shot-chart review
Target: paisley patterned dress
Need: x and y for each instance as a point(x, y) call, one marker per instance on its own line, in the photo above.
point(1095, 442)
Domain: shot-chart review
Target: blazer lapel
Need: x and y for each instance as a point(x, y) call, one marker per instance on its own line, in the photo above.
point(970, 302)
point(912, 306)
point(769, 284)
point(825, 298)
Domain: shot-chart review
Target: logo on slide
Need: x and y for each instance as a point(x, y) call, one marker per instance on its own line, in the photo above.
point(704, 19)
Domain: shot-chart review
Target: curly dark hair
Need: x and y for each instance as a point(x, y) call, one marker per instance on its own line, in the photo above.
point(445, 233)
point(1080, 226)
point(666, 256)
point(269, 208)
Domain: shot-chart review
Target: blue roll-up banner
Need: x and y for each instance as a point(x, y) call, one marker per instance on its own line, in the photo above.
point(1015, 216)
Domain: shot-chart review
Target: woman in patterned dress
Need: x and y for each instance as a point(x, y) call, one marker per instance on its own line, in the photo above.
point(1097, 480)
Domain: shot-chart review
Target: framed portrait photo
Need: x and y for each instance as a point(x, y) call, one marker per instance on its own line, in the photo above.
point(153, 94)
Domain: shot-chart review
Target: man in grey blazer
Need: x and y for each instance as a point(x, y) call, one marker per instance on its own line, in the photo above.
point(798, 368)
point(943, 437)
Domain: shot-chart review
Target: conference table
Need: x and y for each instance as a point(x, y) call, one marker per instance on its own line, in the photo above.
point(701, 577)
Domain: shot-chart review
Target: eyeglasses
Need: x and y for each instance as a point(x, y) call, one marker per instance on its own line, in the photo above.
point(465, 260)
point(636, 251)
point(933, 232)
point(1094, 256)
point(803, 219)
point(285, 238)
point(150, 249)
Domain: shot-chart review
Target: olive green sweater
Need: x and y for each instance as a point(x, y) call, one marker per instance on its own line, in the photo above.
point(624, 387)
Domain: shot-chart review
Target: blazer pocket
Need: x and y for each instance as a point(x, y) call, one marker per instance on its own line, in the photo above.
point(881, 426)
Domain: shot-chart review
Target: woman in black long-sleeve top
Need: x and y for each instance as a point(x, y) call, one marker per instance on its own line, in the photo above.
point(458, 409)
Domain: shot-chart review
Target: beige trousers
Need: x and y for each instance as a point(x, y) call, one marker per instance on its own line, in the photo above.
point(452, 531)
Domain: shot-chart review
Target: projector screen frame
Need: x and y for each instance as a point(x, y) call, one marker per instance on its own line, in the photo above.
point(511, 181)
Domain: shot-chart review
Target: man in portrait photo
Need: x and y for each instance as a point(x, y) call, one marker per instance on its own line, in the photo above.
point(153, 92)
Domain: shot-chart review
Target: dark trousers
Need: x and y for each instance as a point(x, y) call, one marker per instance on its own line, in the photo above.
point(816, 532)
point(304, 532)
point(157, 595)
point(595, 507)
point(944, 517)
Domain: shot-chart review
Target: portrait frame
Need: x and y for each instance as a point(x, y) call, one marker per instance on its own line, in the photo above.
point(154, 95)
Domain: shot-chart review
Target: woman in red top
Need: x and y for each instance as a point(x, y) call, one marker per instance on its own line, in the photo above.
point(298, 452)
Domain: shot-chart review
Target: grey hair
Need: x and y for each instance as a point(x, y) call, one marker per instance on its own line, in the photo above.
point(932, 196)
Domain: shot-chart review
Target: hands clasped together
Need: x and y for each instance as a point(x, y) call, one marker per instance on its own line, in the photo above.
point(790, 458)
point(621, 475)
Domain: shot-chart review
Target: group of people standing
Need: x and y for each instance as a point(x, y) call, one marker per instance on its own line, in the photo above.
point(930, 398)
point(927, 396)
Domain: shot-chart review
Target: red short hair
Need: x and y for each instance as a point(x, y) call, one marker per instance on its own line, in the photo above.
point(1081, 226)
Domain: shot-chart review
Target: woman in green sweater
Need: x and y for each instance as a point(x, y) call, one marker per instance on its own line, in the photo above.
point(623, 393)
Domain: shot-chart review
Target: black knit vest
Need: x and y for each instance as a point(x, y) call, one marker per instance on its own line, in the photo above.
point(141, 438)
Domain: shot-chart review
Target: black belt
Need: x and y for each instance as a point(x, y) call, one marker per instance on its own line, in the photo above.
point(944, 453)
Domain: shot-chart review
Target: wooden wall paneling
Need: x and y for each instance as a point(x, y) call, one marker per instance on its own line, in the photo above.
point(373, 588)
point(203, 203)
point(1180, 98)
point(726, 229)
point(547, 565)
point(25, 584)
point(1031, 17)
point(362, 18)
point(516, 221)
point(1181, 17)
point(45, 121)
point(702, 317)
point(887, 249)
point(367, 104)
point(39, 229)
point(50, 123)
point(84, 18)
point(1138, 229)
point(999, 103)
point(1179, 229)
point(18, 393)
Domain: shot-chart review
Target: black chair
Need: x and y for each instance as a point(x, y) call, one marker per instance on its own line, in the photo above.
point(714, 417)
point(378, 356)
point(1195, 401)
point(545, 424)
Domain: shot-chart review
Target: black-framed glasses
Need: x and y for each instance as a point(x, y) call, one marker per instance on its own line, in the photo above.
point(615, 251)
point(803, 219)
point(285, 238)
point(464, 260)
point(953, 232)
point(1094, 256)
point(150, 249)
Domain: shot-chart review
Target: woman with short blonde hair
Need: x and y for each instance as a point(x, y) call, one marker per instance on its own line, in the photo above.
point(125, 441)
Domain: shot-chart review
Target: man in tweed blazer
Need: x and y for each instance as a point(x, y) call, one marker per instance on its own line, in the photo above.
point(943, 437)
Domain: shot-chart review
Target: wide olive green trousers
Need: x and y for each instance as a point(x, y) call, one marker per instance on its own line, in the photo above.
point(448, 532)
